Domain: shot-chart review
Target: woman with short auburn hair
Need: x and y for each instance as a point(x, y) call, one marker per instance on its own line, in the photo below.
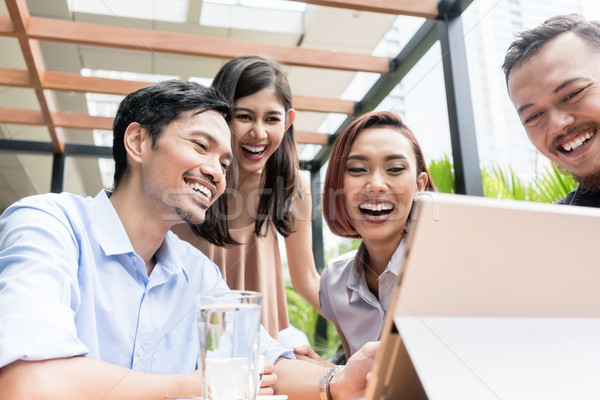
point(376, 170)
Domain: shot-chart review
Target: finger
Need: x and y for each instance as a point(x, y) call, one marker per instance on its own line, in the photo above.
point(314, 354)
point(268, 380)
point(269, 368)
point(302, 349)
point(303, 357)
point(306, 351)
point(371, 348)
point(268, 391)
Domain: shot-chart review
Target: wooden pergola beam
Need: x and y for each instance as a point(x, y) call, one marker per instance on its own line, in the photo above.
point(15, 77)
point(416, 8)
point(83, 121)
point(6, 26)
point(305, 137)
point(192, 45)
point(70, 82)
point(20, 18)
point(21, 116)
point(60, 119)
point(323, 104)
point(28, 30)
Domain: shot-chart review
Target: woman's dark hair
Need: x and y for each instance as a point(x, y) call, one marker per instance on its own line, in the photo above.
point(334, 207)
point(244, 76)
point(156, 106)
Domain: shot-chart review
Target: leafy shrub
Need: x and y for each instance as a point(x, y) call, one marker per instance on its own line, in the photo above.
point(442, 174)
point(500, 183)
point(304, 317)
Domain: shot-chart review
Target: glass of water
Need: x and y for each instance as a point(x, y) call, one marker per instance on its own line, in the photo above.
point(229, 329)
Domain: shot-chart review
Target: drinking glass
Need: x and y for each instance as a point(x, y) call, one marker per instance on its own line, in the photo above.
point(229, 329)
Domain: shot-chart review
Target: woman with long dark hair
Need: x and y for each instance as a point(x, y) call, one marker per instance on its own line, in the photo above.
point(270, 196)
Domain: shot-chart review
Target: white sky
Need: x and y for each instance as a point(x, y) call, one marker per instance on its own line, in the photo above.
point(591, 9)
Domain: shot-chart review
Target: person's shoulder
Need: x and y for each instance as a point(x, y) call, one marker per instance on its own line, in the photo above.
point(340, 265)
point(184, 248)
point(50, 199)
point(302, 189)
point(56, 204)
point(304, 184)
point(568, 198)
point(582, 197)
point(60, 215)
point(334, 281)
point(343, 258)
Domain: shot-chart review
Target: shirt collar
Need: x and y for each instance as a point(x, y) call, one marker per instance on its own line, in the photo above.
point(395, 263)
point(356, 276)
point(114, 240)
point(585, 197)
point(357, 271)
point(357, 268)
point(168, 256)
point(109, 229)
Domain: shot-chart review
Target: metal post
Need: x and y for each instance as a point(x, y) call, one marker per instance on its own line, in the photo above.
point(58, 173)
point(317, 218)
point(460, 107)
point(317, 238)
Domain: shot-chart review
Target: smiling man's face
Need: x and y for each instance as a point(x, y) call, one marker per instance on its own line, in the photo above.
point(185, 170)
point(557, 96)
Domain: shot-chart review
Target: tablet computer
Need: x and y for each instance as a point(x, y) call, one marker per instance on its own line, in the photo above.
point(496, 299)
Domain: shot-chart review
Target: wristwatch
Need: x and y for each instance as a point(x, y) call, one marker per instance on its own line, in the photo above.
point(324, 383)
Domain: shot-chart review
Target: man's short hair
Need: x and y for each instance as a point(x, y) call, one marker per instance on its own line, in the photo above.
point(529, 42)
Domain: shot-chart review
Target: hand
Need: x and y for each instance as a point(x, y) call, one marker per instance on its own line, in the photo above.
point(269, 380)
point(350, 381)
point(306, 353)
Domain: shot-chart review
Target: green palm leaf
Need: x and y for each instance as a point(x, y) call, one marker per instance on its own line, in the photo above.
point(501, 183)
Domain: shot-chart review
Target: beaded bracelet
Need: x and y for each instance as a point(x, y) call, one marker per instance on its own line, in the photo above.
point(324, 383)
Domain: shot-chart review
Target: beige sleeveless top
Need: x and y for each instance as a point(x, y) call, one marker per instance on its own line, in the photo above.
point(255, 264)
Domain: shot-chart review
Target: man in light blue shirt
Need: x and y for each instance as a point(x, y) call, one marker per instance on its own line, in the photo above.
point(77, 294)
point(104, 277)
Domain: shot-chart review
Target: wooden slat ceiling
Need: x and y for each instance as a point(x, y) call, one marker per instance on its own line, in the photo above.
point(28, 30)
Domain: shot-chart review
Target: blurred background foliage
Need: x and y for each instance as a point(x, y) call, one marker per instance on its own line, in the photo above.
point(500, 183)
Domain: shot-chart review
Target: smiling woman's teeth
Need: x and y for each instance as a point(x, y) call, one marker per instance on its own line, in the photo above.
point(200, 189)
point(376, 211)
point(253, 149)
point(376, 207)
point(577, 143)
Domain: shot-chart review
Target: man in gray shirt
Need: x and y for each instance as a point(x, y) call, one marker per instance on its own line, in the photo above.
point(553, 78)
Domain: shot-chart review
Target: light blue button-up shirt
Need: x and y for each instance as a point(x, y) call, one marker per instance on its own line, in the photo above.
point(71, 284)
